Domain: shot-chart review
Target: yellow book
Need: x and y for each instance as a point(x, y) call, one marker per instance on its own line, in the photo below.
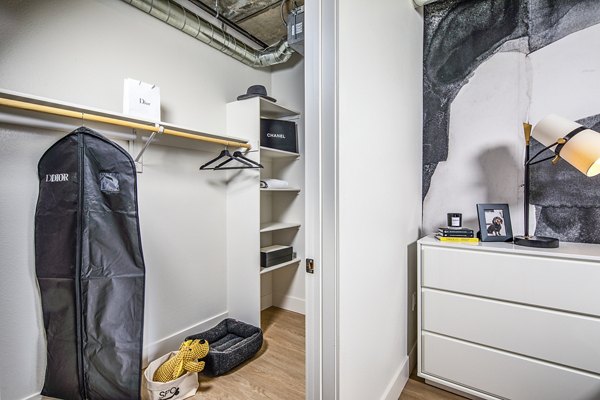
point(457, 239)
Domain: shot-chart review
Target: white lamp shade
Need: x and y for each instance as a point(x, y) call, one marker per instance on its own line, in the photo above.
point(582, 151)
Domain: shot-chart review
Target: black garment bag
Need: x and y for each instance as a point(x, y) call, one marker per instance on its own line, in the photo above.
point(90, 269)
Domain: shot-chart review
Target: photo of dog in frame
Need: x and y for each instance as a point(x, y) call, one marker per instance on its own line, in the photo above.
point(494, 222)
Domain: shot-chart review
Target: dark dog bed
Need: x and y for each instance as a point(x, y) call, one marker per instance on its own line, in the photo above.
point(231, 343)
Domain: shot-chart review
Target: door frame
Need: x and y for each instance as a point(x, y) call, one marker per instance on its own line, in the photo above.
point(321, 133)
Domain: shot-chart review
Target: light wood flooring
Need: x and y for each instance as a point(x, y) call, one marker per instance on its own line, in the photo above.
point(276, 372)
point(416, 389)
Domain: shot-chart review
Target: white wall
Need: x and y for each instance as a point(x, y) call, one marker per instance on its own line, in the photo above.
point(379, 147)
point(79, 51)
point(470, 174)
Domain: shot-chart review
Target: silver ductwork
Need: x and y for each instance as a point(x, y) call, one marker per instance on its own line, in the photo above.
point(189, 22)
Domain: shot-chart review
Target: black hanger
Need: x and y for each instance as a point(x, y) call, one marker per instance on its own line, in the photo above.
point(237, 156)
point(242, 158)
point(223, 154)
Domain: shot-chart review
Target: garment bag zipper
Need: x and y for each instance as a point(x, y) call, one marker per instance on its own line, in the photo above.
point(78, 305)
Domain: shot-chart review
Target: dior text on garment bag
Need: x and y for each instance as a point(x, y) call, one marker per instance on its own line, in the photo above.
point(90, 269)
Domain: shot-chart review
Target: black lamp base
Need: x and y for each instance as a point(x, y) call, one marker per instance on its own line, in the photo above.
point(536, 241)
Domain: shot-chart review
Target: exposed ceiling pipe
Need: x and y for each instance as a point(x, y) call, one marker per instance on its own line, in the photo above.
point(228, 22)
point(187, 21)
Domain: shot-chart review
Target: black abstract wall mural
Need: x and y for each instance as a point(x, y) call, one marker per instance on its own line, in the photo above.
point(459, 35)
point(464, 41)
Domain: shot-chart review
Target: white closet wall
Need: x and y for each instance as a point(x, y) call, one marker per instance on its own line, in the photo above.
point(379, 172)
point(80, 52)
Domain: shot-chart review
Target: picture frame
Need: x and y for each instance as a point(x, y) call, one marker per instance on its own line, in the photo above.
point(494, 222)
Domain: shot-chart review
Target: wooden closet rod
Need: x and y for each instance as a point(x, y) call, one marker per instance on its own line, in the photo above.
point(23, 105)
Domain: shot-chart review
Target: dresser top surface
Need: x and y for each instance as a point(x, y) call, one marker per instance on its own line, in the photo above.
point(581, 251)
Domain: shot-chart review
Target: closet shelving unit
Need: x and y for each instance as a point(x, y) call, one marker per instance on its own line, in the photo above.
point(275, 153)
point(278, 213)
point(276, 203)
point(277, 226)
point(290, 189)
point(294, 261)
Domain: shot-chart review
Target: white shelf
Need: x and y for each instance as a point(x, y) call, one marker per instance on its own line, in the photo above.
point(277, 226)
point(264, 270)
point(288, 189)
point(12, 95)
point(274, 153)
point(268, 109)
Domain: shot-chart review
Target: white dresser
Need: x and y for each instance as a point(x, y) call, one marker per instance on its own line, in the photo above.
point(498, 321)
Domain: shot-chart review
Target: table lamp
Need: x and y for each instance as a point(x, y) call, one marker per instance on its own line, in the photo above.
point(572, 142)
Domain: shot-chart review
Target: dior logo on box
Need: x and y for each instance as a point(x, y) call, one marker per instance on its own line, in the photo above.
point(57, 177)
point(276, 135)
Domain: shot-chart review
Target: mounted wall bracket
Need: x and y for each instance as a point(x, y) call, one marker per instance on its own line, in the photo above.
point(160, 130)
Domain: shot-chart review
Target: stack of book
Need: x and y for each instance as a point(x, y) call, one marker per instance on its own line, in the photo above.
point(460, 235)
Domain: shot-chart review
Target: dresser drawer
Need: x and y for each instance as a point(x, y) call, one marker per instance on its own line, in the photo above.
point(503, 374)
point(552, 282)
point(559, 337)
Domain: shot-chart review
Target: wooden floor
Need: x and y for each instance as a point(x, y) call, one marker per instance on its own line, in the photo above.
point(416, 389)
point(277, 370)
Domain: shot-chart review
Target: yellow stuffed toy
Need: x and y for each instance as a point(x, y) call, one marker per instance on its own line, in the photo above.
point(185, 360)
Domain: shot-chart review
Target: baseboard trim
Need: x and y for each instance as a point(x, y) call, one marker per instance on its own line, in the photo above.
point(290, 303)
point(394, 389)
point(266, 301)
point(36, 396)
point(172, 342)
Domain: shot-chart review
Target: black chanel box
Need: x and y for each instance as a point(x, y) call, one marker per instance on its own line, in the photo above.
point(276, 254)
point(277, 134)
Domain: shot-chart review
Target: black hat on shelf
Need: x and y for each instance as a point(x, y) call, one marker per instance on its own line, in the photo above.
point(254, 91)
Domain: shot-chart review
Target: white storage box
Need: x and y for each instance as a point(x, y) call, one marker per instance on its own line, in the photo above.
point(181, 388)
